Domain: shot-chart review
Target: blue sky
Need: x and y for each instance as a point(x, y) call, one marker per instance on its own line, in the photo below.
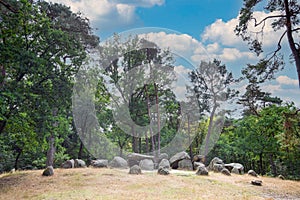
point(204, 26)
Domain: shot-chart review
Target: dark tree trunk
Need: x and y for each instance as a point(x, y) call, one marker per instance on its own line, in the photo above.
point(272, 164)
point(2, 125)
point(289, 32)
point(134, 141)
point(261, 164)
point(190, 142)
point(80, 150)
point(19, 151)
point(158, 118)
point(51, 151)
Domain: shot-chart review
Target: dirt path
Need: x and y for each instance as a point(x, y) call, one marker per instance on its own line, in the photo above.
point(110, 184)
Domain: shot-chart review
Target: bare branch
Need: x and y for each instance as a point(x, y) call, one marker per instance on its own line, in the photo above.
point(8, 6)
point(266, 18)
point(278, 46)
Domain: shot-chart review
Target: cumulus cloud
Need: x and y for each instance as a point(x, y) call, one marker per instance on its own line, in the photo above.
point(109, 14)
point(285, 80)
point(223, 32)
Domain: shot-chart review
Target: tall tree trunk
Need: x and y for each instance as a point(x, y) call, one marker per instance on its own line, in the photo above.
point(210, 126)
point(149, 116)
point(272, 164)
point(51, 150)
point(134, 140)
point(147, 142)
point(80, 150)
point(189, 133)
point(261, 163)
point(158, 118)
point(19, 151)
point(289, 32)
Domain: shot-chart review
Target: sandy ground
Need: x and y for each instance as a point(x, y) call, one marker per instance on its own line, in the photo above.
point(91, 183)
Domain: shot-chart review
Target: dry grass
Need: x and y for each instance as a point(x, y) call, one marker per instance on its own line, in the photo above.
point(110, 184)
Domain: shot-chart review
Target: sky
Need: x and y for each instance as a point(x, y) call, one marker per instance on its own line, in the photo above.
point(195, 30)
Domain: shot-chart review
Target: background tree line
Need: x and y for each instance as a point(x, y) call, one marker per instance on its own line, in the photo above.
point(43, 46)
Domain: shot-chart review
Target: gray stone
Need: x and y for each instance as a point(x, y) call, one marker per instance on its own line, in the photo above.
point(164, 163)
point(49, 171)
point(163, 156)
point(68, 164)
point(135, 158)
point(78, 163)
point(235, 171)
point(198, 158)
point(281, 177)
point(238, 167)
point(99, 163)
point(198, 164)
point(218, 167)
point(252, 173)
point(185, 164)
point(226, 172)
point(178, 157)
point(118, 162)
point(201, 170)
point(147, 164)
point(214, 161)
point(163, 171)
point(135, 170)
point(256, 182)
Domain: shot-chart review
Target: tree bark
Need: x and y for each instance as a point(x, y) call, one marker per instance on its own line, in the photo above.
point(158, 118)
point(210, 126)
point(289, 32)
point(80, 150)
point(190, 142)
point(51, 151)
point(17, 158)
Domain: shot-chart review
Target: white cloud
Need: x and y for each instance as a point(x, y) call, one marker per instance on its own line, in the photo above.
point(109, 14)
point(285, 80)
point(223, 32)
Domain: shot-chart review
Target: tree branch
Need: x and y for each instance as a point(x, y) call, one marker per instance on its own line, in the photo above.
point(263, 20)
point(8, 6)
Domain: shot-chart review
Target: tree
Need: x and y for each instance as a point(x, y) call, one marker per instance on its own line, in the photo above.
point(287, 19)
point(42, 47)
point(211, 84)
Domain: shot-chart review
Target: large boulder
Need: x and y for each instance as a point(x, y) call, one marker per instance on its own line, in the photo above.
point(78, 163)
point(118, 162)
point(135, 169)
point(185, 164)
point(163, 171)
point(147, 164)
point(198, 158)
point(235, 171)
point(234, 167)
point(198, 164)
point(252, 173)
point(164, 163)
point(215, 161)
point(49, 171)
point(201, 170)
point(135, 158)
point(68, 164)
point(178, 157)
point(226, 172)
point(218, 167)
point(163, 156)
point(99, 163)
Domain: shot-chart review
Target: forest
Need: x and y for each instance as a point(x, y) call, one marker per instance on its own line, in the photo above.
point(63, 96)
